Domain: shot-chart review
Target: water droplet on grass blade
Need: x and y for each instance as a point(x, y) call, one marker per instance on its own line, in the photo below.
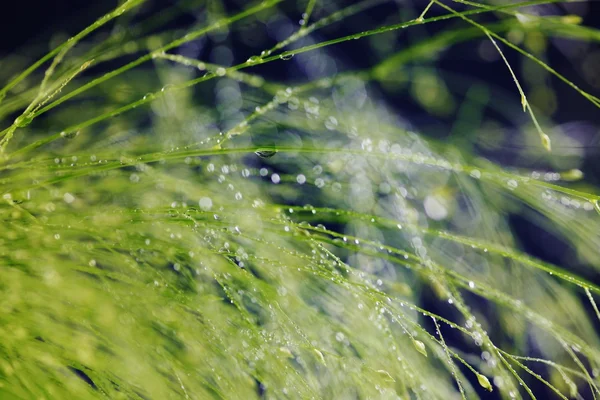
point(319, 355)
point(420, 346)
point(386, 375)
point(484, 382)
point(571, 19)
point(546, 142)
point(69, 135)
point(265, 153)
point(253, 60)
point(571, 175)
point(23, 120)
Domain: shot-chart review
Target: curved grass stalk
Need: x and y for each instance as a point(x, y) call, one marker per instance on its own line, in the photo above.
point(479, 287)
point(545, 139)
point(447, 351)
point(151, 97)
point(593, 99)
point(129, 4)
point(420, 159)
point(592, 302)
point(536, 376)
point(467, 241)
point(187, 38)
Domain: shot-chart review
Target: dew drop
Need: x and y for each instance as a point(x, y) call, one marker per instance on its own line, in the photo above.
point(319, 355)
point(435, 208)
point(484, 382)
point(253, 60)
point(23, 120)
point(69, 135)
point(475, 174)
point(331, 123)
point(68, 198)
point(265, 153)
point(205, 203)
point(571, 175)
point(546, 142)
point(420, 346)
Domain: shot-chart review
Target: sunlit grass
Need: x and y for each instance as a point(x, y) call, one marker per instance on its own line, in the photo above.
point(184, 227)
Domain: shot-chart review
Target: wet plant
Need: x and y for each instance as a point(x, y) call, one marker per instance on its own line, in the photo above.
point(235, 208)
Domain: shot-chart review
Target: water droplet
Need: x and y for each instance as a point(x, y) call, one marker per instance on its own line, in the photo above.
point(69, 135)
point(571, 175)
point(475, 174)
point(205, 203)
point(420, 346)
point(484, 382)
point(331, 123)
point(320, 356)
point(265, 153)
point(286, 56)
point(435, 208)
point(546, 142)
point(23, 120)
point(253, 60)
point(68, 198)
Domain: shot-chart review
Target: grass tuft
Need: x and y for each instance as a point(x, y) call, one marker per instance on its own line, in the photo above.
point(236, 208)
